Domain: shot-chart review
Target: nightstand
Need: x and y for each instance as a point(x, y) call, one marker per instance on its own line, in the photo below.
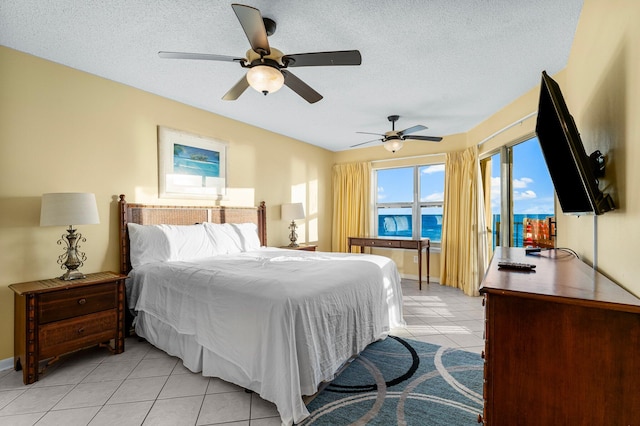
point(54, 317)
point(305, 247)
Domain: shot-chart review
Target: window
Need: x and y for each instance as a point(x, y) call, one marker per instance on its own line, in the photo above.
point(521, 192)
point(409, 202)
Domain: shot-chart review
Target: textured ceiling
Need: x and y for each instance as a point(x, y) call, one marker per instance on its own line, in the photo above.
point(445, 64)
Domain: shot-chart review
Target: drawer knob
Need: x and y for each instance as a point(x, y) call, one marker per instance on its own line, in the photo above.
point(81, 330)
point(82, 301)
point(482, 355)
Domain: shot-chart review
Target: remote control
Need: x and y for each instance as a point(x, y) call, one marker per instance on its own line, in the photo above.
point(515, 266)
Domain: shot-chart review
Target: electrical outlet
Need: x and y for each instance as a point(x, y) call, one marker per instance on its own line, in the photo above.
point(415, 259)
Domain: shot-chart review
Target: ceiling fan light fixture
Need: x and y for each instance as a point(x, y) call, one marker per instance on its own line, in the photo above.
point(393, 145)
point(265, 79)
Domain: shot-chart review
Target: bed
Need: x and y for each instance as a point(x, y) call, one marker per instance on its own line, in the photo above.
point(205, 287)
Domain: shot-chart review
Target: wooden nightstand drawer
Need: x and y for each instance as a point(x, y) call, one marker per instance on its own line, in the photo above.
point(75, 302)
point(76, 333)
point(304, 247)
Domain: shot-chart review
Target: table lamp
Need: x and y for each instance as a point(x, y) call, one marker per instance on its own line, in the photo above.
point(293, 211)
point(69, 209)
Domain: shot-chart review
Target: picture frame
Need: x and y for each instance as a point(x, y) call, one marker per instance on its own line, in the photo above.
point(190, 165)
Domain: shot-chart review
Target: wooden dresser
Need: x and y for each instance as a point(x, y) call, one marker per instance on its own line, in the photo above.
point(562, 344)
point(54, 317)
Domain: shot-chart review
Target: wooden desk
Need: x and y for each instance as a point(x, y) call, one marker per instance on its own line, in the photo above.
point(401, 243)
point(562, 344)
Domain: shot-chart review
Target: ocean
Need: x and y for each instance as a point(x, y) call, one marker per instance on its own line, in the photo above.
point(401, 226)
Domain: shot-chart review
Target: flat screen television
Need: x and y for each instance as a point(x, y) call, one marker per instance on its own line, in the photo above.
point(574, 174)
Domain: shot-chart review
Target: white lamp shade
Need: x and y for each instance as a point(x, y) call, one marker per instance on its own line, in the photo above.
point(68, 208)
point(393, 145)
point(265, 79)
point(292, 211)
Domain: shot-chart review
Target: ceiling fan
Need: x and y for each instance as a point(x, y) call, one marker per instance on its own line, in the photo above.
point(394, 139)
point(268, 67)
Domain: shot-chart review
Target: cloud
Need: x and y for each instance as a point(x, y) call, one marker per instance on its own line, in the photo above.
point(522, 183)
point(495, 192)
point(436, 196)
point(519, 191)
point(381, 195)
point(437, 168)
point(524, 195)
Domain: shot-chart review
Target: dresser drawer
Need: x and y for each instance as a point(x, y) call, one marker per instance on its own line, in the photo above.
point(76, 333)
point(71, 303)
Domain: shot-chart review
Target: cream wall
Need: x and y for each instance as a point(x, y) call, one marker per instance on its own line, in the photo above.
point(64, 130)
point(602, 88)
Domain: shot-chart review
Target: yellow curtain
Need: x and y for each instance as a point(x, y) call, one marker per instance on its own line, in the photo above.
point(485, 175)
point(463, 259)
point(351, 186)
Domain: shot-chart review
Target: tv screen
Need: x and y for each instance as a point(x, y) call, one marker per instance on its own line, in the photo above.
point(572, 171)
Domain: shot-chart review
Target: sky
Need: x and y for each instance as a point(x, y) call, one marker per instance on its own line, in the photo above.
point(396, 185)
point(532, 186)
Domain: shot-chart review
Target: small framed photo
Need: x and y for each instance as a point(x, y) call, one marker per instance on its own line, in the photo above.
point(190, 166)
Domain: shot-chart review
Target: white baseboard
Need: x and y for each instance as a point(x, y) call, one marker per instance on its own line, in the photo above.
point(6, 364)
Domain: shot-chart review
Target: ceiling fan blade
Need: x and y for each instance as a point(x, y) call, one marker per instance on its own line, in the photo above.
point(363, 143)
point(237, 90)
point(412, 129)
point(251, 20)
point(342, 57)
point(423, 138)
point(300, 87)
point(203, 56)
point(369, 133)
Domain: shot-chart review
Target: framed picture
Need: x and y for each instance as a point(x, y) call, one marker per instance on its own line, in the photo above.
point(190, 166)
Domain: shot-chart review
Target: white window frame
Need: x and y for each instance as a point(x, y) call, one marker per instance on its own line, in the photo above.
point(416, 205)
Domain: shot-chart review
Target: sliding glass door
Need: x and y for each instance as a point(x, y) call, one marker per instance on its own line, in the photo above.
point(521, 198)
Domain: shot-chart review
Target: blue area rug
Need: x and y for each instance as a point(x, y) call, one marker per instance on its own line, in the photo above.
point(403, 382)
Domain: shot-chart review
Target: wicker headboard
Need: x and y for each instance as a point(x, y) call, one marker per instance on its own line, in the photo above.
point(184, 215)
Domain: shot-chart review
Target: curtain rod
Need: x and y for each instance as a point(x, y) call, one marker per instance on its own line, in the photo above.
point(504, 129)
point(407, 158)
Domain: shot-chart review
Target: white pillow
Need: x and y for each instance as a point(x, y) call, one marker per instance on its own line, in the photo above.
point(162, 243)
point(148, 243)
point(224, 238)
point(188, 242)
point(231, 238)
point(249, 235)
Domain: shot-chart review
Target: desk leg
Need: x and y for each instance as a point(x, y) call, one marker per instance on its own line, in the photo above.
point(428, 274)
point(420, 268)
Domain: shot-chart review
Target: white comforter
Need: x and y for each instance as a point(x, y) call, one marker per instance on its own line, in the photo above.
point(280, 321)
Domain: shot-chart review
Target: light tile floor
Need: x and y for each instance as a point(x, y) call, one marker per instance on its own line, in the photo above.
point(145, 386)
